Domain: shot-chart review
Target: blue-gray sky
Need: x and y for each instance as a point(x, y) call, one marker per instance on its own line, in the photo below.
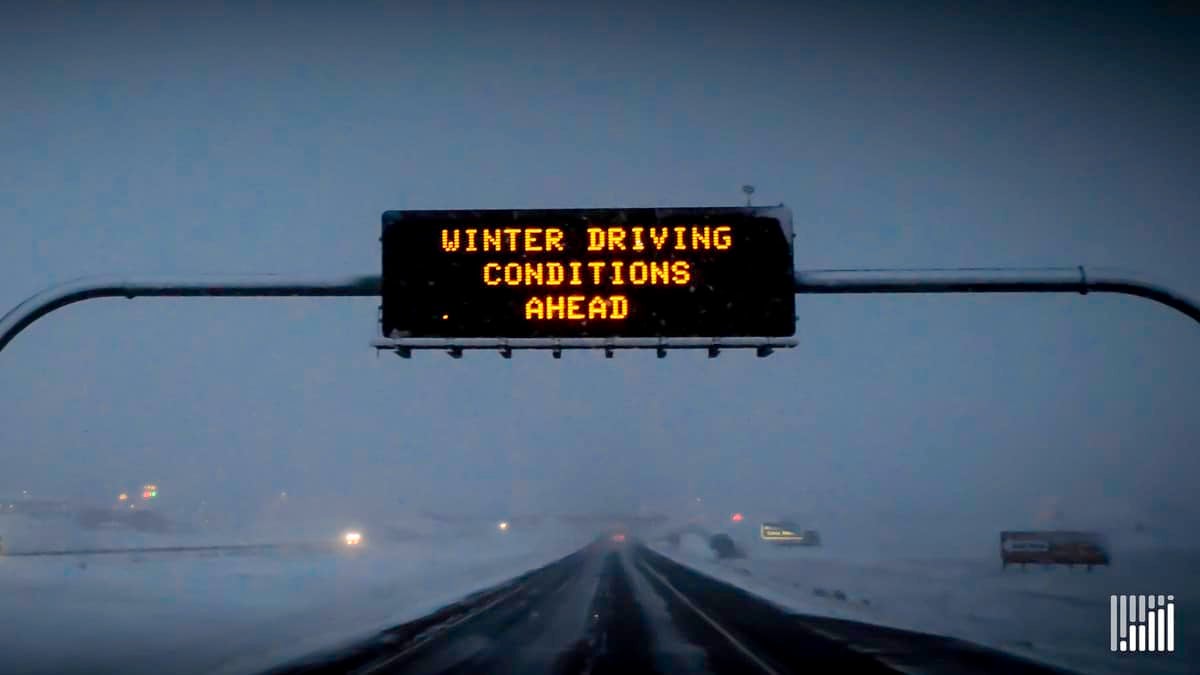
point(144, 138)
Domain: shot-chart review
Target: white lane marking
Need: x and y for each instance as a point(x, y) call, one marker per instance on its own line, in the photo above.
point(715, 626)
point(559, 589)
point(883, 656)
point(832, 637)
point(441, 628)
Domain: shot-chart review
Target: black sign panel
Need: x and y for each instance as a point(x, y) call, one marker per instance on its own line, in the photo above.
point(575, 273)
point(789, 534)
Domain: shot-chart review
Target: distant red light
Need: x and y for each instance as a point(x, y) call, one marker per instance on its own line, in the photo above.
point(737, 517)
point(618, 537)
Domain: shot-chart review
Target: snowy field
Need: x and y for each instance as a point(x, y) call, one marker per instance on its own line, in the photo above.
point(1058, 616)
point(193, 613)
point(235, 613)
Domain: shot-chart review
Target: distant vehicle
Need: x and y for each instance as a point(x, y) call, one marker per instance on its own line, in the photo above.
point(787, 533)
point(724, 546)
point(1053, 547)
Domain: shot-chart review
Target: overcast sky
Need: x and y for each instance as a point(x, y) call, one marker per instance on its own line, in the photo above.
point(195, 137)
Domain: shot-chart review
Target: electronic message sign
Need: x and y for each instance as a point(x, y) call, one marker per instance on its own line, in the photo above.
point(787, 533)
point(588, 273)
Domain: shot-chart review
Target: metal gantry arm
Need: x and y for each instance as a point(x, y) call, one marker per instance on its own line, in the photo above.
point(991, 280)
point(253, 286)
point(810, 282)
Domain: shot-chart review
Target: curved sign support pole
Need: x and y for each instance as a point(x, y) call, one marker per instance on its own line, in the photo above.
point(985, 280)
point(255, 286)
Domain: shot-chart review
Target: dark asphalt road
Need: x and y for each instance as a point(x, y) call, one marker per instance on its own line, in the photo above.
point(621, 608)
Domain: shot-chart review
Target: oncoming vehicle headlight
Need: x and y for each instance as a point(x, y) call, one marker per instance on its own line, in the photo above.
point(352, 538)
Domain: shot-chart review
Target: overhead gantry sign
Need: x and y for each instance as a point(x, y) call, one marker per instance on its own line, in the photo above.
point(707, 278)
point(588, 278)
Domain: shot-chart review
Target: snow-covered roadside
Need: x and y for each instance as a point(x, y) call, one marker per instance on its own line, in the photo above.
point(1057, 616)
point(189, 613)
